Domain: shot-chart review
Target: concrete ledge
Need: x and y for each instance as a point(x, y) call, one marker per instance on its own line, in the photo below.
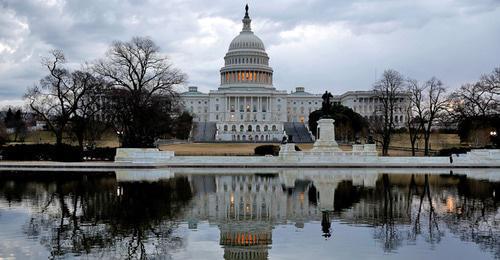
point(142, 155)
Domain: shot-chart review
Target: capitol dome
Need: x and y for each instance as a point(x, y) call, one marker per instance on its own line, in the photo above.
point(246, 63)
point(246, 40)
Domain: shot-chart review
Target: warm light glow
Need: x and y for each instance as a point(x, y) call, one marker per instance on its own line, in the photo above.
point(119, 191)
point(231, 199)
point(450, 204)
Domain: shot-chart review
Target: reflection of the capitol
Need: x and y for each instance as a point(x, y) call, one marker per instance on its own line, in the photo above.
point(247, 206)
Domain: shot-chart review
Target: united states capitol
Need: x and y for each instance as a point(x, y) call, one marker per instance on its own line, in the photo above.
point(247, 107)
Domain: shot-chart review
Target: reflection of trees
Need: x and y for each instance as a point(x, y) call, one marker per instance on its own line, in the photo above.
point(432, 233)
point(91, 215)
point(405, 213)
point(386, 230)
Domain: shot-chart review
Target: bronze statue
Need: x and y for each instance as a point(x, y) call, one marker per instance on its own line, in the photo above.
point(327, 104)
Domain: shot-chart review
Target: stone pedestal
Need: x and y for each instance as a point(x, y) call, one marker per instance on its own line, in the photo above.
point(326, 141)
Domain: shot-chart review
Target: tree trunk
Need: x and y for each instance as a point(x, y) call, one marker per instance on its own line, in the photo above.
point(426, 143)
point(59, 137)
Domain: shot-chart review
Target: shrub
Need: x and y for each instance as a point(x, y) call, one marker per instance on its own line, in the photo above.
point(42, 152)
point(49, 152)
point(453, 150)
point(100, 154)
point(267, 150)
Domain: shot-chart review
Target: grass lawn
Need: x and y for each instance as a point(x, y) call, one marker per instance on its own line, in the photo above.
point(438, 141)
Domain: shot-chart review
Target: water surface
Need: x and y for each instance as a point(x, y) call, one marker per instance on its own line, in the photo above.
point(272, 214)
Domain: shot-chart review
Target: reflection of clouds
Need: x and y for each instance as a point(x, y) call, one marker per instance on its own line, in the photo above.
point(13, 243)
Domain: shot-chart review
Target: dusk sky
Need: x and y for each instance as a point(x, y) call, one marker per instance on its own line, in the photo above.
point(319, 44)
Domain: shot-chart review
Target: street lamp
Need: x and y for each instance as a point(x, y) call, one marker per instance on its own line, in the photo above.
point(493, 135)
point(119, 134)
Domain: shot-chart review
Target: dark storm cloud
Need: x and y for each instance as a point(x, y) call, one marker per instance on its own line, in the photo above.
point(320, 44)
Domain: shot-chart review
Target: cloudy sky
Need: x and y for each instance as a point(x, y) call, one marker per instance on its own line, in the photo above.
point(338, 45)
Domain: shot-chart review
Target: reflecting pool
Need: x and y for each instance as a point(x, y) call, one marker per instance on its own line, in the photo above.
point(250, 214)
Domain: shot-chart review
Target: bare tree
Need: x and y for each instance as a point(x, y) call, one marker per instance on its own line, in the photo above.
point(472, 100)
point(387, 90)
point(492, 82)
point(84, 126)
point(428, 103)
point(143, 80)
point(475, 108)
point(414, 112)
point(433, 104)
point(58, 95)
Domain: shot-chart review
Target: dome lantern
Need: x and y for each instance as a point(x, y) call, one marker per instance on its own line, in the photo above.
point(246, 20)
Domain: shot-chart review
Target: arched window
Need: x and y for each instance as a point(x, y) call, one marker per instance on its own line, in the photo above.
point(238, 137)
point(257, 128)
point(249, 128)
point(401, 119)
point(266, 128)
point(256, 138)
point(243, 138)
point(242, 128)
point(225, 128)
point(274, 128)
point(233, 128)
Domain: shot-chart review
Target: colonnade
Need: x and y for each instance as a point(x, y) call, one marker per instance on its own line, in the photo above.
point(248, 104)
point(247, 76)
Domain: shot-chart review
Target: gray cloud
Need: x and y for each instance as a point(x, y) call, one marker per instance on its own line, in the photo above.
point(336, 45)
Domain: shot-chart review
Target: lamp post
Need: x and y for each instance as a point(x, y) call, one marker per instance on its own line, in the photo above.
point(119, 133)
point(493, 136)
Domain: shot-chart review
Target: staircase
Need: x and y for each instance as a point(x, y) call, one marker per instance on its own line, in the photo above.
point(203, 132)
point(298, 131)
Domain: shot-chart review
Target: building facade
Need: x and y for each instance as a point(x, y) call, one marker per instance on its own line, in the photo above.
point(247, 107)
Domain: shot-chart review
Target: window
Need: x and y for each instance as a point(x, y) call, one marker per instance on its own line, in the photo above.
point(217, 107)
point(225, 128)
